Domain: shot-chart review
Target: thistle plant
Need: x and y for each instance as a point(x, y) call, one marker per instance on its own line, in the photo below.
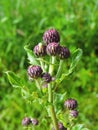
point(48, 69)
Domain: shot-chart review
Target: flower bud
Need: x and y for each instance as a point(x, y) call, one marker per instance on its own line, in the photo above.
point(53, 48)
point(73, 113)
point(51, 35)
point(34, 71)
point(61, 127)
point(40, 50)
point(26, 121)
point(46, 77)
point(70, 104)
point(64, 53)
point(34, 121)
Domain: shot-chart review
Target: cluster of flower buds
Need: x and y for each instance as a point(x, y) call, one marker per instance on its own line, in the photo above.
point(71, 104)
point(60, 126)
point(27, 121)
point(37, 72)
point(51, 46)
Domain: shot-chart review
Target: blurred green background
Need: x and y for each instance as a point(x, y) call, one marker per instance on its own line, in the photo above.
point(23, 22)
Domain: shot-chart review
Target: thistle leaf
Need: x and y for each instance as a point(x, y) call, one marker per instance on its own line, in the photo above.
point(14, 80)
point(32, 59)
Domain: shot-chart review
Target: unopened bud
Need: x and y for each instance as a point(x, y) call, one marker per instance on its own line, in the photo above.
point(46, 77)
point(51, 35)
point(70, 104)
point(34, 121)
point(52, 49)
point(34, 71)
point(61, 127)
point(64, 52)
point(73, 113)
point(26, 121)
point(40, 50)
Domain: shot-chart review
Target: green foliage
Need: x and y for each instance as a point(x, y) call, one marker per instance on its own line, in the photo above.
point(52, 107)
point(22, 22)
point(59, 101)
point(31, 57)
point(76, 56)
point(79, 127)
point(14, 80)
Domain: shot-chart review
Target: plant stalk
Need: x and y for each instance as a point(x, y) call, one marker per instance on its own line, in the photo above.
point(59, 69)
point(38, 84)
point(50, 97)
point(42, 65)
point(52, 111)
point(33, 128)
point(51, 67)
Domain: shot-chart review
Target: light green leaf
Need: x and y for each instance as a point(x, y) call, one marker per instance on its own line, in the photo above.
point(76, 56)
point(79, 127)
point(14, 80)
point(25, 92)
point(32, 59)
point(59, 100)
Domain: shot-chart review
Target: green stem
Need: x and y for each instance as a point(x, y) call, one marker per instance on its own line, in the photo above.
point(42, 65)
point(33, 128)
point(50, 96)
point(28, 128)
point(71, 123)
point(51, 67)
point(37, 84)
point(52, 111)
point(53, 117)
point(46, 67)
point(59, 69)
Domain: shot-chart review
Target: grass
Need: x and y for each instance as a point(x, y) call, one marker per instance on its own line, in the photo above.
point(23, 22)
